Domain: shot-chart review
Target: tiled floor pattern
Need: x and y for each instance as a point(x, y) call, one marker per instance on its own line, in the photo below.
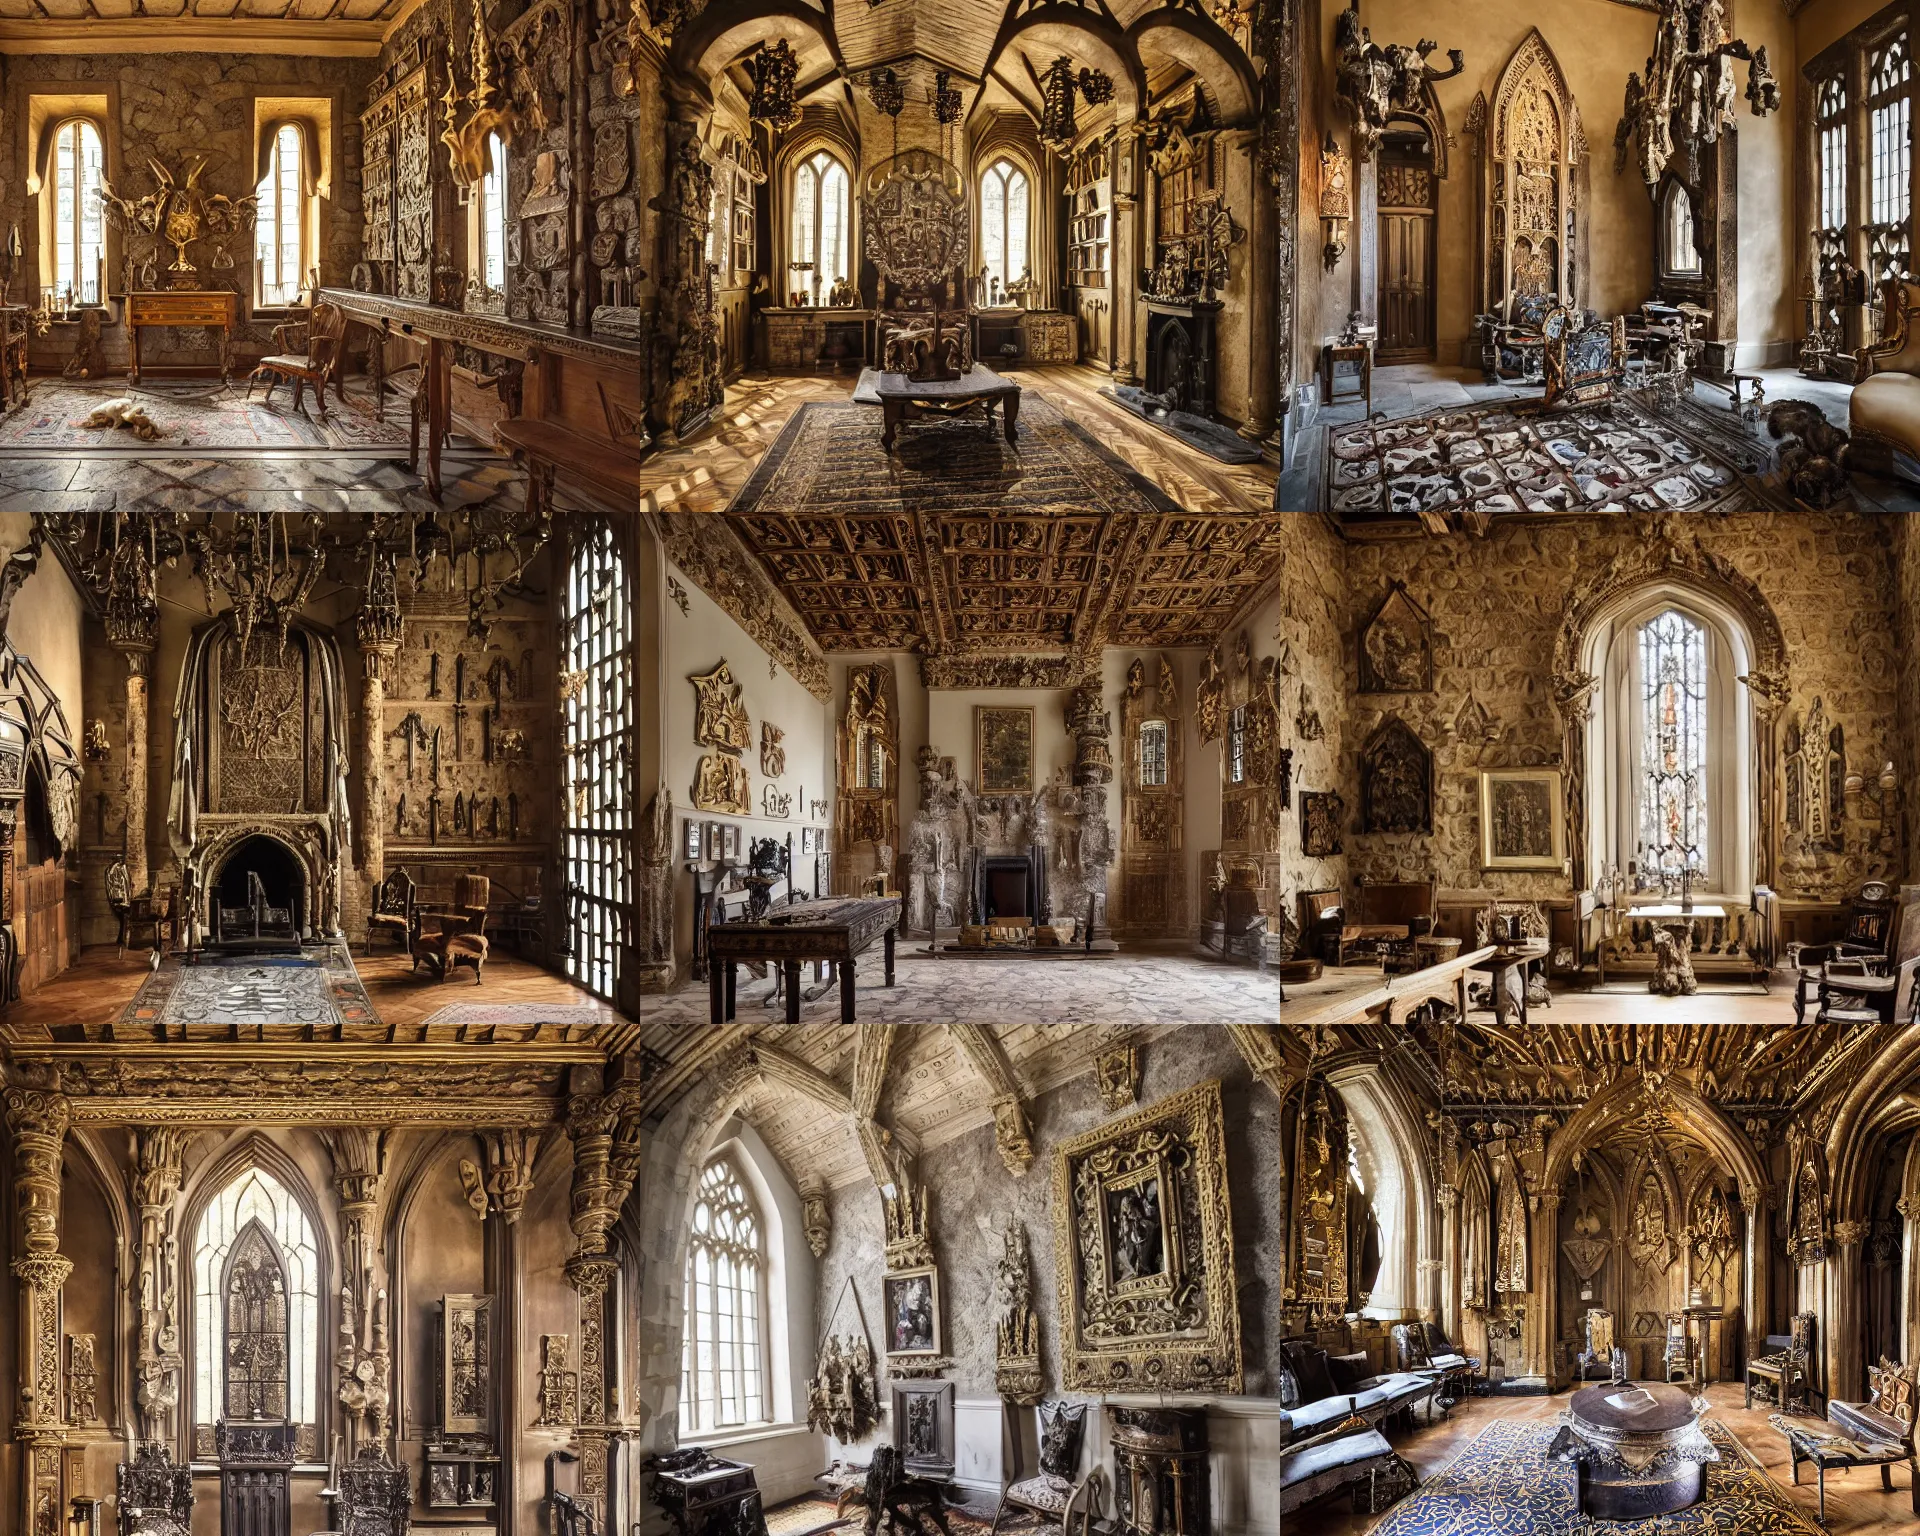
point(1118, 989)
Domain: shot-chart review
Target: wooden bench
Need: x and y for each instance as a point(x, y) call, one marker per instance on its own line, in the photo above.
point(544, 449)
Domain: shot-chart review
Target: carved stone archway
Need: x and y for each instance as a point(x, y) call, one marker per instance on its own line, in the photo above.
point(1532, 158)
point(1668, 559)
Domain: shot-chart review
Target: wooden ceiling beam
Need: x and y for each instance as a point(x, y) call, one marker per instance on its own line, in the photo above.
point(803, 1077)
point(1011, 1132)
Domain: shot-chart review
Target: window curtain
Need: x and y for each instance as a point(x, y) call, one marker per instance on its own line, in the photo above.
point(309, 152)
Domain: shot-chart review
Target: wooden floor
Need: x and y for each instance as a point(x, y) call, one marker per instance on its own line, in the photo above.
point(705, 474)
point(95, 990)
point(1856, 1503)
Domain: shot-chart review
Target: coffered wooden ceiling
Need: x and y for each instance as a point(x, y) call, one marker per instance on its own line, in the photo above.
point(323, 28)
point(973, 582)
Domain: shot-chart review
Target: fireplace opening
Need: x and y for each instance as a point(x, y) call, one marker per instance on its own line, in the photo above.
point(259, 896)
point(1011, 885)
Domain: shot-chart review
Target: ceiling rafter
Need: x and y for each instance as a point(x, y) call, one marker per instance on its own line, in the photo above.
point(1012, 1132)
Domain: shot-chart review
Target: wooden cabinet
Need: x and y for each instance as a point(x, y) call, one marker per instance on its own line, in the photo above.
point(799, 340)
point(1050, 338)
point(216, 309)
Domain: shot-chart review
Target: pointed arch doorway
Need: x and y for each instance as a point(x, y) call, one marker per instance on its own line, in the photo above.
point(1407, 211)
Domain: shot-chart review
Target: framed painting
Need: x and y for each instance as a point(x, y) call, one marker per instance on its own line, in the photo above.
point(1143, 1248)
point(912, 1298)
point(1523, 819)
point(692, 844)
point(1003, 749)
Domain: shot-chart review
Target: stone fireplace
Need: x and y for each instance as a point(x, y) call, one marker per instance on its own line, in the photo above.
point(1180, 352)
point(291, 857)
point(1010, 885)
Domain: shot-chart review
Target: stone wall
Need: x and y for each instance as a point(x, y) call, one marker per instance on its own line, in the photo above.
point(1310, 627)
point(173, 107)
point(1496, 605)
point(1906, 639)
point(972, 1198)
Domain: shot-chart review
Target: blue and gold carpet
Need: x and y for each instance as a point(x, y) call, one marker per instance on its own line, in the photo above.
point(1503, 1485)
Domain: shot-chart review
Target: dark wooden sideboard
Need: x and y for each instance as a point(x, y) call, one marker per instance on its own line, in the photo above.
point(572, 404)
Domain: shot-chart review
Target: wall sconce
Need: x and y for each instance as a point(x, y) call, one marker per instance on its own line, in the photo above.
point(1336, 200)
point(1877, 804)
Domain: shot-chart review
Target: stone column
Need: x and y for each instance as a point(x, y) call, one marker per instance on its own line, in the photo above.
point(363, 1359)
point(139, 663)
point(1846, 1378)
point(605, 1130)
point(1909, 1208)
point(157, 1359)
point(37, 1121)
point(1759, 1289)
point(1261, 375)
point(1450, 1315)
point(1543, 1299)
point(380, 627)
point(1124, 262)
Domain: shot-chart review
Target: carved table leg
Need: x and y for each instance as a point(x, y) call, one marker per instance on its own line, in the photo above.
point(846, 991)
point(790, 974)
point(1012, 414)
point(888, 941)
point(890, 414)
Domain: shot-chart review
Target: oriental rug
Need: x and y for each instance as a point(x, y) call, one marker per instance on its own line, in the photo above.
point(1502, 1484)
point(1630, 453)
point(320, 988)
point(197, 414)
point(812, 1514)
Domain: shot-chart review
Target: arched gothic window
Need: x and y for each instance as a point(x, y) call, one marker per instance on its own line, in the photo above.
point(79, 232)
point(493, 217)
point(1004, 201)
point(1676, 225)
point(256, 1305)
point(1669, 771)
point(723, 1351)
point(280, 226)
point(598, 632)
point(821, 234)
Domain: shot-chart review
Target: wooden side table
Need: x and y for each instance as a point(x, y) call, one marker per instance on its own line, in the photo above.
point(1338, 352)
point(216, 308)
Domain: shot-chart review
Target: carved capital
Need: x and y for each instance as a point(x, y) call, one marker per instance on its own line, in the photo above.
point(1011, 1136)
point(38, 1120)
point(591, 1274)
point(44, 1272)
point(1849, 1233)
point(605, 1130)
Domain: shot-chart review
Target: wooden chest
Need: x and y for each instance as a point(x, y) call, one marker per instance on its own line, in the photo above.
point(1050, 338)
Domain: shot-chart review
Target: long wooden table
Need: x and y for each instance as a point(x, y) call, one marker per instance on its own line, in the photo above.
point(585, 392)
point(1360, 994)
point(835, 929)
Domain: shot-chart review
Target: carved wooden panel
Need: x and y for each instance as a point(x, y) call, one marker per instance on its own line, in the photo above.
point(1153, 831)
point(413, 188)
point(377, 141)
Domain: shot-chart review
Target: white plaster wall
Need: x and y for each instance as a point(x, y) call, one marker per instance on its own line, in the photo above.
point(45, 623)
point(695, 642)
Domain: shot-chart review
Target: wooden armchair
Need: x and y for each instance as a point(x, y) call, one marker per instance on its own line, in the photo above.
point(1782, 1372)
point(155, 917)
point(462, 938)
point(153, 1485)
point(1867, 936)
point(1584, 358)
point(1847, 997)
point(1513, 343)
point(1676, 1359)
point(326, 328)
point(393, 910)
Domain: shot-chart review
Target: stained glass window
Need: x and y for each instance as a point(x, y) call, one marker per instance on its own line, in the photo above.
point(1237, 746)
point(1153, 753)
point(1673, 748)
point(256, 1305)
point(721, 1348)
point(1830, 131)
point(599, 729)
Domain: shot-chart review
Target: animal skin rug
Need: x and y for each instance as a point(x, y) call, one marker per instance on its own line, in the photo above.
point(124, 415)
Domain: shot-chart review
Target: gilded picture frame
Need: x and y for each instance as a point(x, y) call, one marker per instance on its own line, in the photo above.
point(1003, 749)
point(914, 1333)
point(1523, 819)
point(1143, 1246)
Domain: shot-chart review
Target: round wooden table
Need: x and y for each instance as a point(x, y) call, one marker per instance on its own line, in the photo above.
point(1639, 1449)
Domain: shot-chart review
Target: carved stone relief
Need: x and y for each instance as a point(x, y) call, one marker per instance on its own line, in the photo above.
point(1396, 781)
point(1396, 646)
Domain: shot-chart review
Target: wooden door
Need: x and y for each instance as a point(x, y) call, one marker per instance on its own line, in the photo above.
point(1406, 286)
point(40, 912)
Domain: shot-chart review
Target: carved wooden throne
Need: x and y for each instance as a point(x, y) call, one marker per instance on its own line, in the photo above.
point(916, 228)
point(153, 1484)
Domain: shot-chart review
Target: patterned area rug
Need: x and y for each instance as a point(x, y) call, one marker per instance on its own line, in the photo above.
point(811, 1515)
point(1503, 1484)
point(520, 1013)
point(320, 989)
point(829, 457)
point(1630, 453)
point(196, 414)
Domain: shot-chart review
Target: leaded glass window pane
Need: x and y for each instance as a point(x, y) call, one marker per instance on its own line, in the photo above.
point(599, 726)
point(1673, 748)
point(1153, 753)
point(722, 1376)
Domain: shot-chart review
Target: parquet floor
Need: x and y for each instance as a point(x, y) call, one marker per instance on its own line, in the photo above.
point(95, 990)
point(1856, 1503)
point(705, 474)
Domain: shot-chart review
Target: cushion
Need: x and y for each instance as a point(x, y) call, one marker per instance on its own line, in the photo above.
point(1449, 1362)
point(284, 364)
point(1865, 1423)
point(1311, 1418)
point(1356, 1450)
point(1310, 1367)
point(1349, 1371)
point(1888, 406)
point(1044, 1492)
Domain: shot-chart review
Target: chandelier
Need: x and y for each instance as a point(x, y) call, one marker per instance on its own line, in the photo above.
point(886, 93)
point(773, 70)
point(263, 563)
point(1058, 88)
point(944, 99)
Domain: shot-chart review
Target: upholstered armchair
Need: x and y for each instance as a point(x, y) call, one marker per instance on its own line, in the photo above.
point(326, 331)
point(1601, 1350)
point(393, 910)
point(1885, 1418)
point(1058, 1495)
point(461, 938)
point(1584, 358)
point(1513, 341)
point(1781, 1373)
point(1848, 997)
point(1884, 412)
point(1533, 927)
